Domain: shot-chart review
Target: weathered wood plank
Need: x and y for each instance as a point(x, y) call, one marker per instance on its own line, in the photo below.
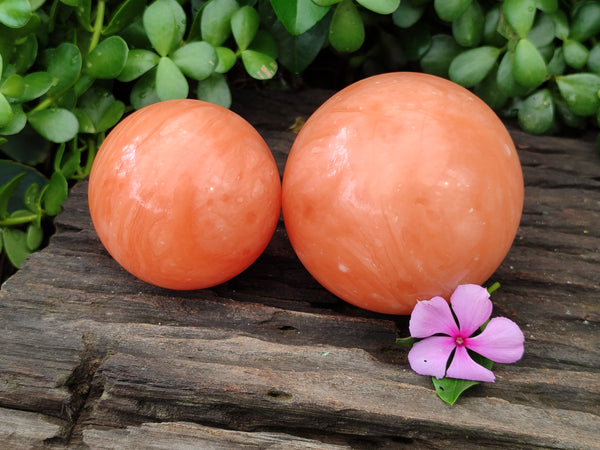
point(114, 361)
point(26, 430)
point(191, 436)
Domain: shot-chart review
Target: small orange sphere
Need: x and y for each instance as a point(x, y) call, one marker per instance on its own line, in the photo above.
point(184, 194)
point(399, 188)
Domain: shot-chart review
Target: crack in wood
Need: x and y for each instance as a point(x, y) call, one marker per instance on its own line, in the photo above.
point(81, 387)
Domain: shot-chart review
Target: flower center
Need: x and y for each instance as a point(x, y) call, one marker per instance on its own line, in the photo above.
point(459, 340)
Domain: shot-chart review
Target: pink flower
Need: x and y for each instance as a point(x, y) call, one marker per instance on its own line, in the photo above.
point(501, 341)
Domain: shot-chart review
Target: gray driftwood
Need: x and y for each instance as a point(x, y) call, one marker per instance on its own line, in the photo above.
point(92, 357)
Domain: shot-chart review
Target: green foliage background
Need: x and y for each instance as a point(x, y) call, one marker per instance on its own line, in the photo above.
point(71, 69)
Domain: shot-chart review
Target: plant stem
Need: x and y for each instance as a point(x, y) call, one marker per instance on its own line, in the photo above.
point(494, 287)
point(47, 102)
point(20, 220)
point(91, 154)
point(97, 30)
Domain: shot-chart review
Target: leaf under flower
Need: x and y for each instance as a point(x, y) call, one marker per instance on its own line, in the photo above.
point(450, 389)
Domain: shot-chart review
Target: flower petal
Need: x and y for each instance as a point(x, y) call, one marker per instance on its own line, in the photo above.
point(464, 368)
point(430, 356)
point(501, 341)
point(472, 305)
point(431, 317)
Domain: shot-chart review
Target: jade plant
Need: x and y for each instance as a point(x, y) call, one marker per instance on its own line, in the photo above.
point(71, 69)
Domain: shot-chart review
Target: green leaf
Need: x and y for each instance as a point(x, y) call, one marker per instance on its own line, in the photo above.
point(450, 10)
point(586, 21)
point(139, 61)
point(529, 67)
point(26, 53)
point(23, 194)
point(542, 33)
point(64, 64)
point(468, 28)
point(197, 60)
point(346, 31)
point(7, 190)
point(298, 16)
point(34, 22)
point(55, 193)
point(264, 42)
point(566, 116)
point(107, 59)
point(67, 100)
point(214, 89)
point(34, 236)
point(326, 2)
point(83, 11)
point(593, 62)
point(561, 24)
point(259, 65)
point(135, 35)
point(506, 79)
point(170, 82)
point(111, 116)
point(15, 246)
point(225, 59)
point(491, 36)
point(123, 16)
point(548, 6)
point(6, 112)
point(54, 124)
point(440, 54)
point(14, 13)
point(407, 14)
point(298, 52)
point(17, 123)
point(164, 22)
point(406, 341)
point(380, 6)
point(82, 85)
point(536, 114)
point(471, 66)
point(547, 52)
point(99, 110)
point(575, 53)
point(67, 165)
point(557, 64)
point(31, 197)
point(194, 32)
point(520, 15)
point(215, 22)
point(244, 25)
point(27, 147)
point(13, 86)
point(490, 93)
point(580, 91)
point(36, 84)
point(144, 92)
point(450, 389)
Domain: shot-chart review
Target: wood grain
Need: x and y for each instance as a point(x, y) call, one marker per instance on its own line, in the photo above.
point(94, 358)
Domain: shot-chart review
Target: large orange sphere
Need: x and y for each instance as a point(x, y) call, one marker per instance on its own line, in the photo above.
point(399, 188)
point(184, 194)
